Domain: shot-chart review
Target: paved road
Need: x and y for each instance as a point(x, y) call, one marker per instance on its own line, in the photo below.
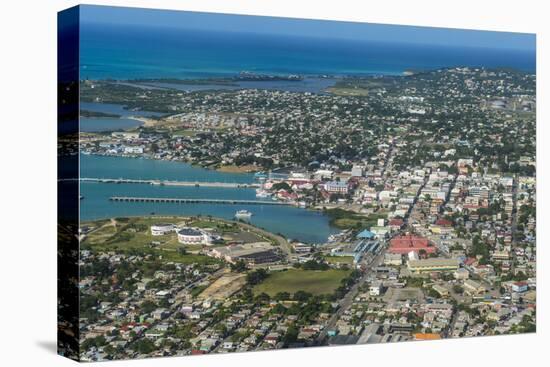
point(411, 208)
point(514, 223)
point(346, 302)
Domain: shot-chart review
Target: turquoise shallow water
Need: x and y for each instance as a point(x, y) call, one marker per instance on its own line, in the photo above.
point(301, 224)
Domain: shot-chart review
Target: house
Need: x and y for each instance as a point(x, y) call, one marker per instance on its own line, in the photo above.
point(272, 338)
point(461, 274)
point(375, 289)
point(473, 288)
point(520, 287)
point(395, 224)
point(443, 292)
point(228, 345)
point(160, 313)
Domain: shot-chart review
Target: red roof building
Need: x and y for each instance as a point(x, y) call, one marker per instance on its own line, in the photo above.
point(396, 223)
point(405, 244)
point(443, 223)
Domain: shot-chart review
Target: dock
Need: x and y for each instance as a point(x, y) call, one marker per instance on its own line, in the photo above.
point(195, 201)
point(229, 185)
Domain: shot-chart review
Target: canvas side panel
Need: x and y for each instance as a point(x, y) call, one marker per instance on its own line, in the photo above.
point(68, 184)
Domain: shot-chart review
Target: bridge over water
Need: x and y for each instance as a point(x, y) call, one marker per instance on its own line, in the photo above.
point(195, 201)
point(230, 185)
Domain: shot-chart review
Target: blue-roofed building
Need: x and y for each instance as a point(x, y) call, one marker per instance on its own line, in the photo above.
point(366, 234)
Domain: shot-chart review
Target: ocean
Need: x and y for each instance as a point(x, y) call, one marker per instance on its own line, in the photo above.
point(129, 52)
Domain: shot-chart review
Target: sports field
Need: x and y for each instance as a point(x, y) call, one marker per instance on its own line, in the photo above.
point(311, 281)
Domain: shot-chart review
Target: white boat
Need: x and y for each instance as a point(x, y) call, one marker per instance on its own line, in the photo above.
point(243, 214)
point(262, 193)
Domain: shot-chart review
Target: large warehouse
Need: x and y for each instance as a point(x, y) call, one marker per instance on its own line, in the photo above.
point(433, 265)
point(407, 243)
point(251, 253)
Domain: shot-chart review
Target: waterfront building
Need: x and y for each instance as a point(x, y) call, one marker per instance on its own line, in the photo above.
point(162, 229)
point(301, 248)
point(192, 236)
point(133, 150)
point(337, 187)
point(126, 134)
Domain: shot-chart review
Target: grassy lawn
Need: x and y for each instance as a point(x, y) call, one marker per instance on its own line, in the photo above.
point(312, 281)
point(339, 259)
point(348, 91)
point(134, 235)
point(185, 132)
point(346, 219)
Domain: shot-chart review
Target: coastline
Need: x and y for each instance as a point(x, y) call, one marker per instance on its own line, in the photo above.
point(223, 169)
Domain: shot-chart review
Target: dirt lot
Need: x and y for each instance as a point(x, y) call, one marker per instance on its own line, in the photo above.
point(224, 286)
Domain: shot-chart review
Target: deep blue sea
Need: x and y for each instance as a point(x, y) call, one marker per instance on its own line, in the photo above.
point(128, 52)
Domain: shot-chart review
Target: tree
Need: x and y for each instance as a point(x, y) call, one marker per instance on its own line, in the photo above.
point(239, 266)
point(256, 276)
point(291, 335)
point(458, 289)
point(98, 341)
point(148, 306)
point(302, 296)
point(144, 346)
point(281, 185)
point(282, 296)
point(262, 298)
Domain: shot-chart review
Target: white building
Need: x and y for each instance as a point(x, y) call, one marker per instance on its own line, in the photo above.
point(336, 187)
point(162, 228)
point(133, 150)
point(375, 289)
point(192, 236)
point(357, 171)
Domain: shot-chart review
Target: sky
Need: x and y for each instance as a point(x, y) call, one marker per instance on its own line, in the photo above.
point(306, 27)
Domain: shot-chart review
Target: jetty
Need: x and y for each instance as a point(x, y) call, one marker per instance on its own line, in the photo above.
point(228, 185)
point(195, 201)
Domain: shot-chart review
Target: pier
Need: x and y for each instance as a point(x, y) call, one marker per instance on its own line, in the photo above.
point(229, 185)
point(196, 201)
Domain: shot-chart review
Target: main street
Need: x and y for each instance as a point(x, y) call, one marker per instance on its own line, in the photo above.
point(346, 302)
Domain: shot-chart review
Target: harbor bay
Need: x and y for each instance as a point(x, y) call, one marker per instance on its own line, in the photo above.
point(292, 222)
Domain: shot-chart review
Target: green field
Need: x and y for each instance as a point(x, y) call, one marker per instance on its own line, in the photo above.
point(346, 219)
point(351, 91)
point(339, 260)
point(312, 281)
point(132, 235)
